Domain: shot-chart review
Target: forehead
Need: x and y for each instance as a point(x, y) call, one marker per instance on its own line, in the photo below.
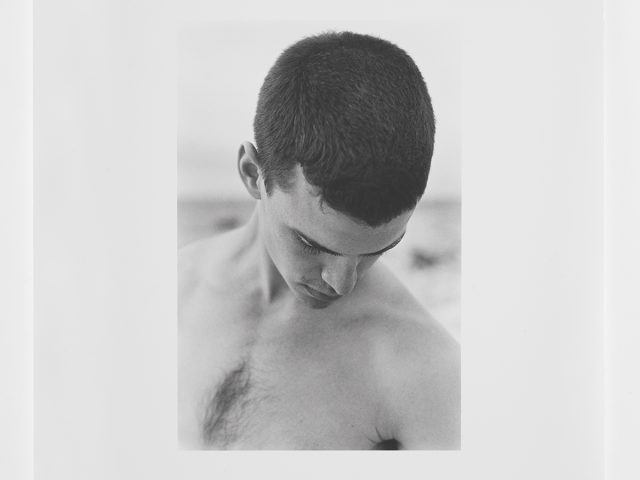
point(301, 208)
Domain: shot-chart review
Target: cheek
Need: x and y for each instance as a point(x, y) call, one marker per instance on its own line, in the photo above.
point(290, 260)
point(277, 249)
point(307, 266)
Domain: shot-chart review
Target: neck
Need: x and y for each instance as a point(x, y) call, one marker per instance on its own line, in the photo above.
point(271, 284)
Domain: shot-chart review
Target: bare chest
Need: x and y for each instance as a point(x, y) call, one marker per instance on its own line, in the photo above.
point(293, 386)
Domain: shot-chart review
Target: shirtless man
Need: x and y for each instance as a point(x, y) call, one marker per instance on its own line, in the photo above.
point(292, 335)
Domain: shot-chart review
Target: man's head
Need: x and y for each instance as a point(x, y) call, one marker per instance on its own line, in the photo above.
point(354, 112)
point(344, 131)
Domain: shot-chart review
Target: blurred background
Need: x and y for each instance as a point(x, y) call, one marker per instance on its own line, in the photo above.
point(221, 69)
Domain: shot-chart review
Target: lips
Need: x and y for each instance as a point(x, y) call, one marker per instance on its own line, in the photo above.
point(319, 295)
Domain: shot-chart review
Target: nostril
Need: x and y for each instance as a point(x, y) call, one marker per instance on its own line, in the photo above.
point(345, 285)
point(331, 290)
point(340, 277)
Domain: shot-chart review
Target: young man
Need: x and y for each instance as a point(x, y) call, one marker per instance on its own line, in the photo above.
point(292, 335)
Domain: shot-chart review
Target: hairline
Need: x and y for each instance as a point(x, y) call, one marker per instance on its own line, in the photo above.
point(319, 246)
point(288, 185)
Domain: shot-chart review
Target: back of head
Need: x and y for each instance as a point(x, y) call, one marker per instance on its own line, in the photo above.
point(354, 111)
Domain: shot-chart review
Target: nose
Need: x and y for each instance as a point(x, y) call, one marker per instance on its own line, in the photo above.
point(341, 274)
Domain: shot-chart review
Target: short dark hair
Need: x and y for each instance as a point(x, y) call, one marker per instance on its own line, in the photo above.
point(354, 111)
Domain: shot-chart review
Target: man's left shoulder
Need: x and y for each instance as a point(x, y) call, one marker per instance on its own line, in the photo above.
point(417, 363)
point(412, 343)
point(405, 328)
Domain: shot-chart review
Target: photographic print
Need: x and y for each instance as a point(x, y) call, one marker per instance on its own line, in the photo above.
point(319, 262)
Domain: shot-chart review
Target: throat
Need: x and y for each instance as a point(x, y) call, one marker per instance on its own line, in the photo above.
point(270, 282)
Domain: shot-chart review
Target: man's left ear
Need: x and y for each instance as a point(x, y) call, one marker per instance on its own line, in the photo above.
point(249, 170)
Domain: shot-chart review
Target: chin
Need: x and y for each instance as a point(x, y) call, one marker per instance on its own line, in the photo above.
point(309, 301)
point(317, 304)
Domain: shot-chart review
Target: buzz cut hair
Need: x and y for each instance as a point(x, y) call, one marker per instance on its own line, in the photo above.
point(354, 112)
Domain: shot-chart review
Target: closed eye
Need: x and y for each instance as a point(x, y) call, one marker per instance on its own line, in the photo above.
point(307, 247)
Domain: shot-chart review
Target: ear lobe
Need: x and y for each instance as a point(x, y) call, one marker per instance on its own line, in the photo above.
point(249, 170)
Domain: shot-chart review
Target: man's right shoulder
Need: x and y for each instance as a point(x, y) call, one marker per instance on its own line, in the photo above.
point(200, 261)
point(200, 278)
point(207, 252)
point(195, 252)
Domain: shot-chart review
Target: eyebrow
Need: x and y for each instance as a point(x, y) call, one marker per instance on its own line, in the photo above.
point(315, 244)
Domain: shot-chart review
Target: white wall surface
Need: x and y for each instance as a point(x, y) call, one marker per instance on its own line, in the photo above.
point(16, 240)
point(622, 234)
point(105, 225)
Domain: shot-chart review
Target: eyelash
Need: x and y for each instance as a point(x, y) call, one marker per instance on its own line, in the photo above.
point(310, 249)
point(316, 251)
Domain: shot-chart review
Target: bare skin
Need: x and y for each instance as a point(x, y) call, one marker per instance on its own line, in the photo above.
point(267, 361)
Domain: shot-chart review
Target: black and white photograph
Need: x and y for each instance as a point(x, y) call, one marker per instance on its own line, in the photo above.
point(319, 259)
point(275, 240)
